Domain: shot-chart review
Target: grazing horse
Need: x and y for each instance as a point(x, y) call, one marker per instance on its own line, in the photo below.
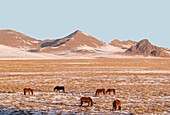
point(110, 90)
point(58, 88)
point(28, 90)
point(100, 91)
point(116, 104)
point(86, 100)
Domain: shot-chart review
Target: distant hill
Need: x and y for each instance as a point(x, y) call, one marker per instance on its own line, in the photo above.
point(71, 42)
point(144, 47)
point(123, 44)
point(15, 39)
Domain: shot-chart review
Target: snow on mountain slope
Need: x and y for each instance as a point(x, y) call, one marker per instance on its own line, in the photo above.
point(102, 49)
point(71, 42)
point(11, 52)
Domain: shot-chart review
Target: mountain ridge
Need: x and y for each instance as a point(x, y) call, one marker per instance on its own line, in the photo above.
point(16, 39)
point(146, 48)
point(78, 41)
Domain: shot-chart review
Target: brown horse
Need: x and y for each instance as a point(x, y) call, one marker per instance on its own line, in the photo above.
point(98, 91)
point(111, 90)
point(86, 100)
point(28, 90)
point(116, 104)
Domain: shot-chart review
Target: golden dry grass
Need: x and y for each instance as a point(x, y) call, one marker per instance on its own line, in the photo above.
point(140, 92)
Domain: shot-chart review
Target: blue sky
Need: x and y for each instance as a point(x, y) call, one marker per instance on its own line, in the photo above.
point(104, 19)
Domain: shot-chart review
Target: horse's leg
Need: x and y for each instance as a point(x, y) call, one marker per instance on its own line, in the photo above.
point(24, 93)
point(119, 107)
point(96, 94)
point(81, 103)
point(114, 108)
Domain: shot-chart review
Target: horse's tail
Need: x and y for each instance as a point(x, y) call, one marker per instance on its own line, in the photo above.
point(91, 102)
point(54, 89)
point(104, 92)
point(81, 102)
point(114, 105)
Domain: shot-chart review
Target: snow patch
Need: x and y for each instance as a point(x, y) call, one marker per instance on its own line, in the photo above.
point(85, 34)
point(35, 42)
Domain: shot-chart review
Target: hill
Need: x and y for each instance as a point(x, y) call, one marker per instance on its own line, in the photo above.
point(144, 47)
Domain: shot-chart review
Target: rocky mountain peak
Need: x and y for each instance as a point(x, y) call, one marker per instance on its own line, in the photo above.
point(146, 48)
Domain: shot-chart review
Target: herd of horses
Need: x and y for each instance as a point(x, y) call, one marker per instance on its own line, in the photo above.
point(116, 103)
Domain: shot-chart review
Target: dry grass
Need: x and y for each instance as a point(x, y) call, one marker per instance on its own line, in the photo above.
point(143, 85)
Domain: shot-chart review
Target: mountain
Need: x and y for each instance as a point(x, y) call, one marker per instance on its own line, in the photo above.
point(76, 44)
point(123, 44)
point(144, 47)
point(71, 42)
point(15, 39)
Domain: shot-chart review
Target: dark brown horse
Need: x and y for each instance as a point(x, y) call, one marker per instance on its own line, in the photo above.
point(111, 90)
point(28, 90)
point(116, 105)
point(86, 100)
point(58, 88)
point(98, 91)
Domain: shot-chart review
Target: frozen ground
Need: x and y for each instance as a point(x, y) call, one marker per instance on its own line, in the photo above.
point(141, 87)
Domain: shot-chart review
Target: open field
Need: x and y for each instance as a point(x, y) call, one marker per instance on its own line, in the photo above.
point(142, 85)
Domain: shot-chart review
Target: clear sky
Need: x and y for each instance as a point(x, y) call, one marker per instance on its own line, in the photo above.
point(104, 19)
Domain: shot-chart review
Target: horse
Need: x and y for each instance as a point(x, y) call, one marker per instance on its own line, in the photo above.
point(116, 104)
point(100, 91)
point(86, 100)
point(28, 90)
point(110, 90)
point(58, 88)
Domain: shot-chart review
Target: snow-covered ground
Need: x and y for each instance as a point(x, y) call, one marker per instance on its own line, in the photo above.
point(134, 99)
point(7, 52)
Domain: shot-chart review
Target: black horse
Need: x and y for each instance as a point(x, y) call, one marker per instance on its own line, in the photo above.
point(58, 88)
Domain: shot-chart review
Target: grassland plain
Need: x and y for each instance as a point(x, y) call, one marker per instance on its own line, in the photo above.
point(142, 85)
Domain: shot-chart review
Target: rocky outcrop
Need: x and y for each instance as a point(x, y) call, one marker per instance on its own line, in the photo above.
point(144, 47)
